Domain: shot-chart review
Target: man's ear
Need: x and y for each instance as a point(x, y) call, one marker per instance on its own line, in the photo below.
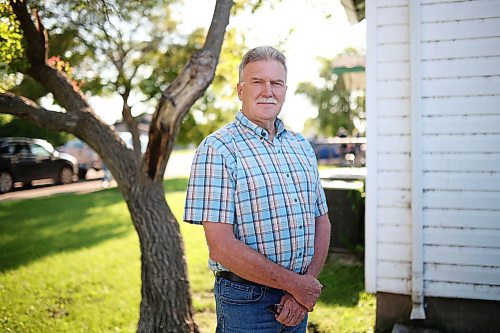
point(239, 88)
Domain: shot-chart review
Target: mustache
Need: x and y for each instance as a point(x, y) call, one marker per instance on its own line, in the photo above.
point(267, 100)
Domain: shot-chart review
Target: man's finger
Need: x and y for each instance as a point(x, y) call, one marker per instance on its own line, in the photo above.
point(282, 317)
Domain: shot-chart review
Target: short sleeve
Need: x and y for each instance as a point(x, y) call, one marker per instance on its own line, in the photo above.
point(321, 204)
point(211, 189)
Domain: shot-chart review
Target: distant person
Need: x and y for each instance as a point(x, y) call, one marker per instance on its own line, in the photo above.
point(108, 177)
point(255, 188)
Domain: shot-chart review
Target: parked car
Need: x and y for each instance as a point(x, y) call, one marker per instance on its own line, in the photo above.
point(87, 158)
point(24, 160)
point(342, 151)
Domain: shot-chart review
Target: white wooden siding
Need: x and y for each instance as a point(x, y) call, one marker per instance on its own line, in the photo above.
point(462, 124)
point(461, 11)
point(460, 105)
point(459, 49)
point(463, 218)
point(467, 67)
point(466, 144)
point(462, 181)
point(396, 180)
point(394, 216)
point(461, 255)
point(468, 237)
point(394, 161)
point(393, 147)
point(395, 285)
point(457, 30)
point(461, 145)
point(462, 290)
point(460, 87)
point(393, 52)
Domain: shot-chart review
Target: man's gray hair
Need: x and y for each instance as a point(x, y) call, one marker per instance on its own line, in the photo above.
point(261, 53)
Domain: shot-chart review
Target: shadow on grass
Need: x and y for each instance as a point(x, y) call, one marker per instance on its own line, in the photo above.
point(35, 228)
point(342, 283)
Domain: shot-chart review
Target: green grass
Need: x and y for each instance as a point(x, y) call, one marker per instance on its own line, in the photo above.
point(70, 263)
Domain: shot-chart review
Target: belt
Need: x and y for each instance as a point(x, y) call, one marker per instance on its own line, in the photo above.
point(235, 278)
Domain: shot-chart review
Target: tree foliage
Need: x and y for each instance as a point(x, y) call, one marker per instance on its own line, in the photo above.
point(132, 49)
point(11, 126)
point(338, 107)
point(11, 47)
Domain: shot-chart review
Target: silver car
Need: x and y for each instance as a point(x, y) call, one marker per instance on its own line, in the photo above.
point(87, 158)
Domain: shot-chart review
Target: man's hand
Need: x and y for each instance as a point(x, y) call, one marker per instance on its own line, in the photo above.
point(291, 313)
point(307, 291)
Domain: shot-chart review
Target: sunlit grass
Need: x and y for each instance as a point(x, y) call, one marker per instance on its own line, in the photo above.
point(71, 263)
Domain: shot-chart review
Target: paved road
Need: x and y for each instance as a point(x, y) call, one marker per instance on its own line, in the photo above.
point(38, 191)
point(179, 165)
point(46, 188)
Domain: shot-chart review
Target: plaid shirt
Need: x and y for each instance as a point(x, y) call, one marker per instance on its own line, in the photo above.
point(269, 190)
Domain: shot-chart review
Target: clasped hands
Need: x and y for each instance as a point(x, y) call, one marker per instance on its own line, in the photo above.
point(294, 307)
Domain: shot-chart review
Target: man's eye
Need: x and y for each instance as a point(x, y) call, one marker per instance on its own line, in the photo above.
point(278, 84)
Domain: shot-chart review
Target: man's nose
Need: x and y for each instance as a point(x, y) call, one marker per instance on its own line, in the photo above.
point(266, 89)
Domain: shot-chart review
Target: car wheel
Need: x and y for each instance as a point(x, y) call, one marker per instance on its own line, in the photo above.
point(6, 182)
point(66, 175)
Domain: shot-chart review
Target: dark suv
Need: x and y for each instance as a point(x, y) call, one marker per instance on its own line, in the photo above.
point(23, 160)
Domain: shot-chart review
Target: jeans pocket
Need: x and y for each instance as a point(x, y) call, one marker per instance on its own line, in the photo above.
point(239, 293)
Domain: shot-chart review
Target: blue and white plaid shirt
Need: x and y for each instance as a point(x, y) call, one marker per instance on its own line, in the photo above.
point(269, 190)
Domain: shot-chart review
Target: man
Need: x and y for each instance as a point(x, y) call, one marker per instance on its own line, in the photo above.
point(255, 188)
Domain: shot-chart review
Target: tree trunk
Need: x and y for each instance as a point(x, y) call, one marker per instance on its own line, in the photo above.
point(166, 302)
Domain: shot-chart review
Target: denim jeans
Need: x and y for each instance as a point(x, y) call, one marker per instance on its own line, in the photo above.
point(242, 308)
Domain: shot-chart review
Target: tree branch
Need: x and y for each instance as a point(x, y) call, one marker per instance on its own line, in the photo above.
point(181, 94)
point(27, 109)
point(36, 50)
point(220, 20)
point(36, 36)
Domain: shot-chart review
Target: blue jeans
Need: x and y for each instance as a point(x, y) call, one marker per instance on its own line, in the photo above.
point(242, 308)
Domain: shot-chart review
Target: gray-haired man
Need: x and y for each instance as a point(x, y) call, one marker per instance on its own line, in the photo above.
point(255, 187)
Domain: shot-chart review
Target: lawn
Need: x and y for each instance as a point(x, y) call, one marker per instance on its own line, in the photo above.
point(70, 263)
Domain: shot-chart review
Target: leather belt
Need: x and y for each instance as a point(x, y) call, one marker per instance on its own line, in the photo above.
point(235, 278)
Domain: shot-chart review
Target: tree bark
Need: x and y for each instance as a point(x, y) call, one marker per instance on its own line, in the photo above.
point(166, 302)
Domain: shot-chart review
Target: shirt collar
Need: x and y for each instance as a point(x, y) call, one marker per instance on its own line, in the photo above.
point(259, 131)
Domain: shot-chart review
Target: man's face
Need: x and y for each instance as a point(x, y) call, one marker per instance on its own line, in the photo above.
point(262, 90)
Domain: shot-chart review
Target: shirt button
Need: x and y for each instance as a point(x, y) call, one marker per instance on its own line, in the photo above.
point(288, 175)
point(300, 253)
point(295, 200)
point(300, 227)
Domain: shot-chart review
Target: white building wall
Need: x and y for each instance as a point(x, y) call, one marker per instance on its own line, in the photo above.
point(460, 107)
point(461, 147)
point(389, 168)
